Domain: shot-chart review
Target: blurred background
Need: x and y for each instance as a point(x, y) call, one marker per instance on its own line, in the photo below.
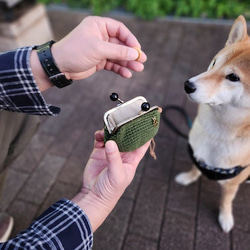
point(27, 16)
point(150, 9)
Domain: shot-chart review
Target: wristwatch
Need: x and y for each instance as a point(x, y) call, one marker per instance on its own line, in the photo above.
point(49, 65)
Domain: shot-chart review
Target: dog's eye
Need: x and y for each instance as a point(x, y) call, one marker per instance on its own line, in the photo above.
point(211, 64)
point(233, 77)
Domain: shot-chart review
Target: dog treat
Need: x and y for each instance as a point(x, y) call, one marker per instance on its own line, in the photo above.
point(139, 53)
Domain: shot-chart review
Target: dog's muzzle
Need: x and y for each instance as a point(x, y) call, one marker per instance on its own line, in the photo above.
point(189, 87)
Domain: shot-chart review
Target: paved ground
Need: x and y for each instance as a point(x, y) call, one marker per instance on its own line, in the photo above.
point(155, 212)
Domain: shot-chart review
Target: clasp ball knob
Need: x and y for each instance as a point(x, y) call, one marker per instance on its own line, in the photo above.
point(145, 106)
point(114, 97)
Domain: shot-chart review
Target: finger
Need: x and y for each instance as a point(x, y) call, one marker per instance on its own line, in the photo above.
point(99, 135)
point(124, 71)
point(132, 65)
point(121, 32)
point(114, 160)
point(116, 41)
point(99, 139)
point(120, 52)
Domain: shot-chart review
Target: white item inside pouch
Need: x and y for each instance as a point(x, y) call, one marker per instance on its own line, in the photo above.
point(123, 113)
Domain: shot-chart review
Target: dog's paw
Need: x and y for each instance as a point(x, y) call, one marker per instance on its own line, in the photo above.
point(226, 222)
point(185, 178)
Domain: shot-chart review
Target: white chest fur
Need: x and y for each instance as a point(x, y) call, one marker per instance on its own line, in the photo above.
point(220, 137)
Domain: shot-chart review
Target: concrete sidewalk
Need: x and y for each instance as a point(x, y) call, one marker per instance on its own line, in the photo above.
point(155, 213)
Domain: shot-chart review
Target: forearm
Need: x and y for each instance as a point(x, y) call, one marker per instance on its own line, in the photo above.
point(94, 208)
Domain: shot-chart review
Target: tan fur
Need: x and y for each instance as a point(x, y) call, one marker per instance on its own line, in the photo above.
point(220, 135)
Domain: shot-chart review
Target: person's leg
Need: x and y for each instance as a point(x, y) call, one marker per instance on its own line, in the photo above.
point(6, 225)
point(6, 221)
point(16, 131)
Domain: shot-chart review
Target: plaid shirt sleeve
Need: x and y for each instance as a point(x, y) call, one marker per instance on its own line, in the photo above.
point(18, 88)
point(63, 226)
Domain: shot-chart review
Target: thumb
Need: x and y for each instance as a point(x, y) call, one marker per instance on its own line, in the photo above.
point(115, 164)
point(119, 52)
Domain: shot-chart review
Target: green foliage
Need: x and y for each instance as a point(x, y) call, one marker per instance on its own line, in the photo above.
point(146, 9)
point(150, 9)
point(100, 6)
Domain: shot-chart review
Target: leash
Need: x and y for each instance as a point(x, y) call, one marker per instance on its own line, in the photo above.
point(171, 125)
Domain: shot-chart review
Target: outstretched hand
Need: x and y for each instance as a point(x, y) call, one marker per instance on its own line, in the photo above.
point(107, 174)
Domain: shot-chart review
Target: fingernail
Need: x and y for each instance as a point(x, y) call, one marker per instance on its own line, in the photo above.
point(110, 146)
point(133, 54)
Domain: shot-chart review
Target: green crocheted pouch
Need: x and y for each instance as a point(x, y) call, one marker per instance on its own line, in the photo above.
point(129, 126)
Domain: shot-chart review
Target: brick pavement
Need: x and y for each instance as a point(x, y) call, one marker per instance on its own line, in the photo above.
point(154, 212)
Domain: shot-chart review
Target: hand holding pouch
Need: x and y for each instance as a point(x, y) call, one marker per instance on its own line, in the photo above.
point(130, 124)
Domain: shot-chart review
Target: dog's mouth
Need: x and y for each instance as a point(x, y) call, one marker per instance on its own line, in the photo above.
point(191, 89)
point(210, 103)
point(191, 98)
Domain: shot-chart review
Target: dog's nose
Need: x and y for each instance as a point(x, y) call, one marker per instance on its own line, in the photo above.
point(189, 87)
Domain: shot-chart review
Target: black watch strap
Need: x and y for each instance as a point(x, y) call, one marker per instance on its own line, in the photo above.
point(48, 63)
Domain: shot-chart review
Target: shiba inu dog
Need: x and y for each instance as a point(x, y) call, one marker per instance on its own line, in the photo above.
point(219, 140)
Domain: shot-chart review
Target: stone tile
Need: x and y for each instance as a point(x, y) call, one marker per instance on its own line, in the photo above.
point(178, 232)
point(241, 240)
point(183, 199)
point(161, 167)
point(211, 238)
point(112, 233)
point(39, 184)
point(241, 206)
point(59, 191)
point(66, 141)
point(135, 242)
point(13, 185)
point(133, 189)
point(34, 152)
point(72, 172)
point(209, 234)
point(54, 124)
point(149, 209)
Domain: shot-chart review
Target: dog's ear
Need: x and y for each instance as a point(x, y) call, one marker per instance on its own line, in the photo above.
point(238, 31)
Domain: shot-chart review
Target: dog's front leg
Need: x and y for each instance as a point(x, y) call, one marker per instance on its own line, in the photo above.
point(226, 216)
point(186, 178)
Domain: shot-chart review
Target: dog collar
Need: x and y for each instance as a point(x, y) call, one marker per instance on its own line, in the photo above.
point(214, 173)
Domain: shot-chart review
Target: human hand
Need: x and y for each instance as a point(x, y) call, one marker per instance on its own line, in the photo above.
point(98, 43)
point(106, 176)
